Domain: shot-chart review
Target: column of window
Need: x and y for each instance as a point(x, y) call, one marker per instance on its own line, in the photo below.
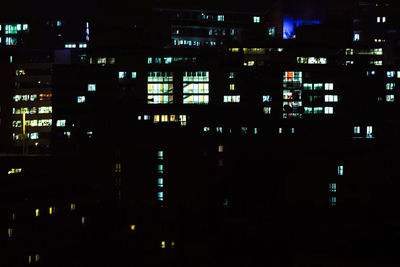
point(160, 177)
point(292, 91)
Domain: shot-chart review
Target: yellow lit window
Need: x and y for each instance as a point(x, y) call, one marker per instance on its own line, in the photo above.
point(234, 50)
point(14, 216)
point(156, 118)
point(231, 87)
point(36, 257)
point(173, 118)
point(164, 118)
point(72, 206)
point(133, 227)
point(172, 244)
point(37, 213)
point(220, 148)
point(118, 167)
point(29, 259)
point(52, 210)
point(162, 244)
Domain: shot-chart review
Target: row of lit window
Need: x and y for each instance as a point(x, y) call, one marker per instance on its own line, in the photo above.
point(182, 119)
point(124, 74)
point(42, 97)
point(231, 98)
point(318, 86)
point(33, 123)
point(311, 60)
point(32, 110)
point(169, 60)
point(243, 130)
point(293, 76)
point(72, 45)
point(30, 136)
point(318, 110)
point(102, 60)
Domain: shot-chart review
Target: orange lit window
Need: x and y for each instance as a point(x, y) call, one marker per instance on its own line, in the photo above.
point(289, 75)
point(45, 96)
point(133, 227)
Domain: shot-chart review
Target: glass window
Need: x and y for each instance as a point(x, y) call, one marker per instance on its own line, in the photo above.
point(81, 99)
point(332, 187)
point(60, 123)
point(122, 74)
point(340, 170)
point(256, 19)
point(133, 74)
point(332, 201)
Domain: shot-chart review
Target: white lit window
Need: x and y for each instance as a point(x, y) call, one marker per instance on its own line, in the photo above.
point(60, 123)
point(82, 45)
point(81, 99)
point(378, 19)
point(256, 19)
point(369, 131)
point(329, 86)
point(328, 110)
point(206, 129)
point(121, 74)
point(91, 87)
point(331, 98)
point(160, 196)
point(231, 98)
point(389, 98)
point(267, 110)
point(133, 74)
point(356, 129)
point(390, 86)
point(356, 37)
point(220, 17)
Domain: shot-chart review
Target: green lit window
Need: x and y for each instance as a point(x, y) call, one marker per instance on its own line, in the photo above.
point(332, 187)
point(307, 86)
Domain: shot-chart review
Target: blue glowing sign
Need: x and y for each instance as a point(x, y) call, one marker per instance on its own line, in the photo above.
point(290, 25)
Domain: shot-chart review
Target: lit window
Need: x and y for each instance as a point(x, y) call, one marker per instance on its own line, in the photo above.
point(60, 123)
point(91, 87)
point(160, 168)
point(133, 227)
point(118, 167)
point(232, 87)
point(81, 99)
point(83, 220)
point(10, 232)
point(160, 196)
point(133, 74)
point(340, 170)
point(231, 75)
point(195, 87)
point(389, 98)
point(220, 148)
point(231, 98)
point(280, 130)
point(122, 74)
point(332, 187)
point(206, 129)
point(73, 207)
point(160, 182)
point(267, 110)
point(332, 201)
point(172, 244)
point(162, 244)
point(82, 45)
point(369, 131)
point(331, 98)
point(220, 17)
point(356, 37)
point(37, 213)
point(328, 110)
point(378, 19)
point(52, 210)
point(70, 45)
point(356, 129)
point(390, 74)
point(255, 130)
point(160, 155)
point(390, 86)
point(256, 19)
point(160, 87)
point(329, 86)
point(292, 130)
point(266, 98)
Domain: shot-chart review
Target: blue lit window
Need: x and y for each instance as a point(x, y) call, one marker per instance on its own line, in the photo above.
point(332, 201)
point(256, 19)
point(81, 99)
point(133, 74)
point(160, 196)
point(168, 60)
point(220, 17)
point(160, 168)
point(58, 23)
point(149, 60)
point(340, 170)
point(160, 182)
point(160, 155)
point(122, 74)
point(390, 74)
point(332, 187)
